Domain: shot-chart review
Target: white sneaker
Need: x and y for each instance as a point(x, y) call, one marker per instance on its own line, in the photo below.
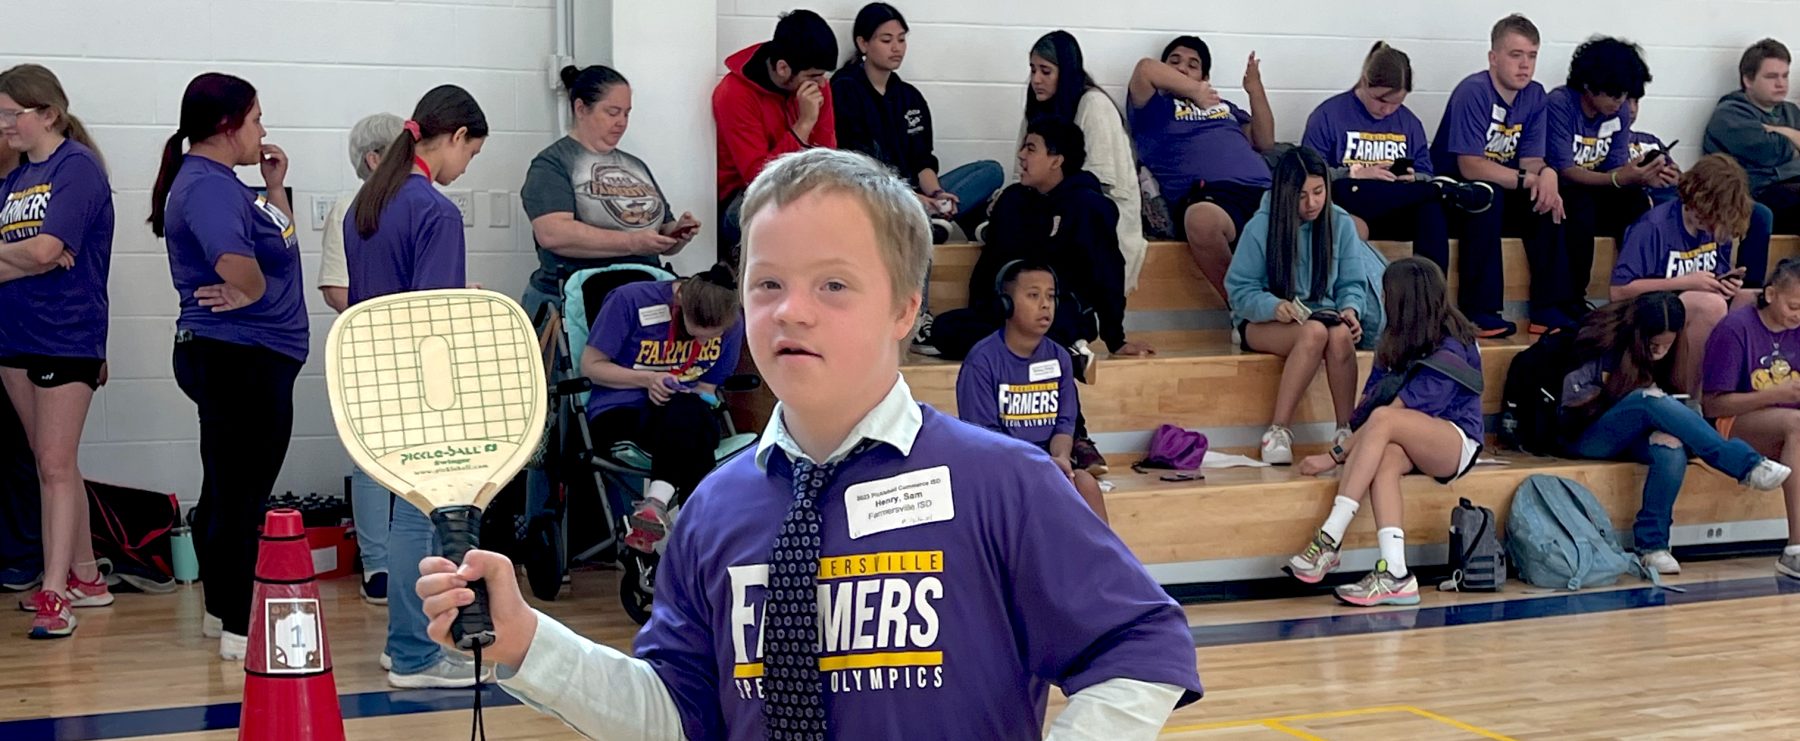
point(232, 646)
point(451, 672)
point(211, 627)
point(1341, 436)
point(387, 662)
point(1661, 562)
point(1278, 446)
point(1767, 475)
point(1788, 565)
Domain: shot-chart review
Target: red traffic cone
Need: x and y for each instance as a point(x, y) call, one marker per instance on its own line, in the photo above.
point(289, 692)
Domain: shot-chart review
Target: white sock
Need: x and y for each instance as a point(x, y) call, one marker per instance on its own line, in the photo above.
point(660, 491)
point(1392, 541)
point(1343, 510)
point(1792, 550)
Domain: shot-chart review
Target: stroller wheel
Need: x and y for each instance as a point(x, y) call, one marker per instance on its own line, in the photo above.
point(543, 559)
point(635, 587)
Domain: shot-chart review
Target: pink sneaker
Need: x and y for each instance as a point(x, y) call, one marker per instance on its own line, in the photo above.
point(649, 525)
point(54, 617)
point(89, 594)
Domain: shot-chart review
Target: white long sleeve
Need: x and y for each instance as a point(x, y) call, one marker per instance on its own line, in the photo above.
point(597, 690)
point(1116, 710)
point(1110, 158)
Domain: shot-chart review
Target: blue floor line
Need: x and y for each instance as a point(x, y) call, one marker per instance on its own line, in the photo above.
point(161, 721)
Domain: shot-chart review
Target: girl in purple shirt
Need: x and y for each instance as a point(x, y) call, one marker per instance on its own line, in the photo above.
point(242, 333)
point(1431, 424)
point(56, 231)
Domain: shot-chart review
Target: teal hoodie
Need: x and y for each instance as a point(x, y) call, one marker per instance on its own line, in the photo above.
point(1355, 274)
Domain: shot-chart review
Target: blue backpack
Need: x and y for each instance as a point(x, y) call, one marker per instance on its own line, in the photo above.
point(1559, 537)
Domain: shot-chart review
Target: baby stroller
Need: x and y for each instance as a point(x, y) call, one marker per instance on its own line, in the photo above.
point(611, 478)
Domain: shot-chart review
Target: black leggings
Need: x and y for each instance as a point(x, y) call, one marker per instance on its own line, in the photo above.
point(1481, 273)
point(245, 397)
point(1591, 212)
point(1407, 210)
point(679, 436)
point(1784, 199)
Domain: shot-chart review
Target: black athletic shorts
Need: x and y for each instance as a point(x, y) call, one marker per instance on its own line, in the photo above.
point(1239, 201)
point(50, 372)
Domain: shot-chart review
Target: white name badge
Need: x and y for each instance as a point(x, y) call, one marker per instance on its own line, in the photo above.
point(649, 315)
point(1046, 370)
point(912, 498)
point(1500, 114)
point(1609, 128)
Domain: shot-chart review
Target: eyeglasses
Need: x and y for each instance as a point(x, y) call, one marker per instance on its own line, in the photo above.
point(8, 118)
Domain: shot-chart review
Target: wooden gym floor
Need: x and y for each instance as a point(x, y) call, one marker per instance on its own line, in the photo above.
point(1625, 662)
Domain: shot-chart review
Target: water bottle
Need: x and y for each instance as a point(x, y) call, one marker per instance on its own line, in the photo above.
point(187, 565)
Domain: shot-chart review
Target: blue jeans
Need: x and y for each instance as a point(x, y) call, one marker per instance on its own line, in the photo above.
point(1753, 249)
point(371, 509)
point(1623, 433)
point(411, 539)
point(973, 184)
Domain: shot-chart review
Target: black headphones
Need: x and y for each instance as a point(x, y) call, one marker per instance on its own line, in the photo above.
point(1010, 271)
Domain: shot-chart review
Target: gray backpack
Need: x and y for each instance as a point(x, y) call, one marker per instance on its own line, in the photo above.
point(1560, 537)
point(1477, 561)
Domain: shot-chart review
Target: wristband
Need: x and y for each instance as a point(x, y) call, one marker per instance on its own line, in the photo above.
point(1337, 454)
point(1521, 180)
point(1615, 178)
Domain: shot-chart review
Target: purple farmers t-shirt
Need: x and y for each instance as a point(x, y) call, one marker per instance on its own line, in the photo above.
point(419, 245)
point(61, 313)
point(1744, 355)
point(1032, 399)
point(1478, 122)
point(1598, 143)
point(948, 625)
point(1435, 394)
point(1659, 246)
point(636, 329)
point(210, 215)
point(1183, 143)
point(1342, 130)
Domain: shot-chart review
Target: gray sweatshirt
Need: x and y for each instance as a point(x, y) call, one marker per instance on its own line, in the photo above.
point(1736, 129)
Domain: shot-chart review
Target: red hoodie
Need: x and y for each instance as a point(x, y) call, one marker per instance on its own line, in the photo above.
point(755, 125)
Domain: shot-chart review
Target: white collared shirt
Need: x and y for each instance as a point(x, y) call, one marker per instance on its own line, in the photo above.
point(895, 420)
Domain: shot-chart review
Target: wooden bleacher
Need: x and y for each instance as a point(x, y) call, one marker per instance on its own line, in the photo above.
point(1241, 523)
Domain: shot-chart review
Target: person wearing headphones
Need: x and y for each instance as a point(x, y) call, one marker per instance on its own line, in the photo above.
point(1021, 385)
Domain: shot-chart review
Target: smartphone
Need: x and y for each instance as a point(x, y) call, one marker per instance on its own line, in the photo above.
point(1736, 274)
point(1183, 476)
point(1327, 317)
point(1660, 153)
point(1402, 166)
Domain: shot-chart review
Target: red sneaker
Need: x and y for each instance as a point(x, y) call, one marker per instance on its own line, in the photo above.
point(649, 525)
point(89, 594)
point(54, 617)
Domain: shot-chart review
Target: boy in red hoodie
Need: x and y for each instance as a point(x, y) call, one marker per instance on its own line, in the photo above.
point(773, 100)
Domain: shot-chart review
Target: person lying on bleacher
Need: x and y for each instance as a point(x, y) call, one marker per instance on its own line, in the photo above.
point(1753, 391)
point(887, 118)
point(1685, 246)
point(1204, 153)
point(1381, 164)
point(1420, 413)
point(1019, 383)
point(1303, 286)
point(1061, 86)
point(657, 354)
point(1493, 130)
point(1590, 142)
point(1615, 407)
point(1759, 127)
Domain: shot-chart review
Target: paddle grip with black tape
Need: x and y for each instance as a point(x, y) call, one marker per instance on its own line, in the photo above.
point(459, 531)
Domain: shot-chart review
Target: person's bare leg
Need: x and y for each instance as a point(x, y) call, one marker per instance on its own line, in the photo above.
point(68, 543)
point(1427, 441)
point(1209, 236)
point(1303, 347)
point(1704, 311)
point(1340, 373)
point(1384, 490)
point(1362, 227)
point(1776, 433)
point(1089, 487)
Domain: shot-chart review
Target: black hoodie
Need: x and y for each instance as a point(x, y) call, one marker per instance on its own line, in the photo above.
point(1074, 229)
point(894, 128)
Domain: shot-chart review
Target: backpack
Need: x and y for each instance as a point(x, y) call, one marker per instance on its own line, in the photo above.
point(1477, 560)
point(1175, 448)
point(1559, 537)
point(1531, 401)
point(132, 530)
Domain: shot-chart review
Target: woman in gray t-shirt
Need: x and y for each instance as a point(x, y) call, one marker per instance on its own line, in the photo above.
point(592, 204)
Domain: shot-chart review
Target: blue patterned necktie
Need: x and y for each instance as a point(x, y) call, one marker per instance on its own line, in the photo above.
point(793, 697)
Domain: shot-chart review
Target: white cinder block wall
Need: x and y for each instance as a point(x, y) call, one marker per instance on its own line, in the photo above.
point(969, 58)
point(321, 64)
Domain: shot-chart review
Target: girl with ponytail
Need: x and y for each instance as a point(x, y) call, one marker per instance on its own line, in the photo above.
point(403, 235)
point(656, 355)
point(241, 336)
point(56, 232)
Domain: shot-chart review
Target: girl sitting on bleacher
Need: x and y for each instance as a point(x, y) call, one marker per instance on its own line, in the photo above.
point(657, 354)
point(1752, 390)
point(1614, 407)
point(1421, 412)
point(1301, 286)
